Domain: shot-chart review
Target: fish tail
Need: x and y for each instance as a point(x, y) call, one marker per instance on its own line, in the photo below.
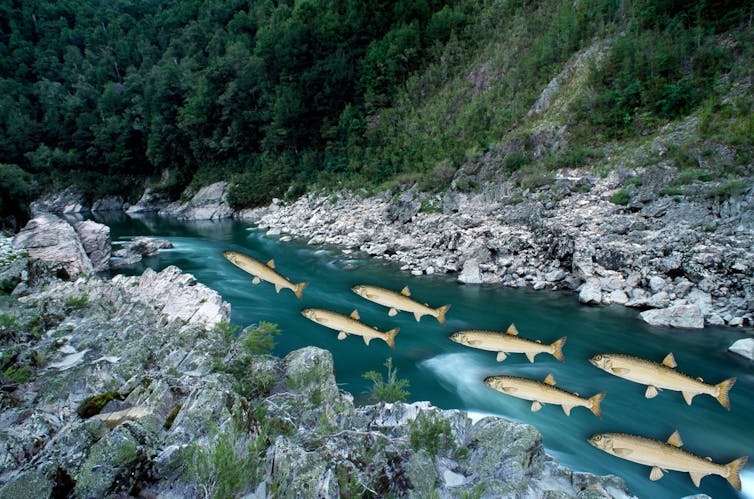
point(595, 404)
point(557, 349)
point(734, 468)
point(441, 313)
point(722, 392)
point(299, 288)
point(390, 340)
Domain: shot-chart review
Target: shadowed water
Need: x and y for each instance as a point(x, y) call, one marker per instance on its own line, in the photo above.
point(450, 375)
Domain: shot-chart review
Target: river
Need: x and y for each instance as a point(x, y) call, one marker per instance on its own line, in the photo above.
point(450, 375)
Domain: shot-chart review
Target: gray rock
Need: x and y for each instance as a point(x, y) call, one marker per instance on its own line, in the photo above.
point(657, 284)
point(685, 316)
point(151, 201)
point(109, 203)
point(619, 297)
point(700, 299)
point(591, 292)
point(95, 238)
point(405, 207)
point(743, 347)
point(139, 247)
point(555, 275)
point(52, 240)
point(471, 274)
point(209, 203)
point(68, 201)
point(658, 300)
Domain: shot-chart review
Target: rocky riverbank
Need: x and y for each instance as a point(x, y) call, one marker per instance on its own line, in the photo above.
point(685, 262)
point(137, 386)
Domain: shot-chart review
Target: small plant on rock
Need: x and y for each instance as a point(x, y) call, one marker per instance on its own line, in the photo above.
point(392, 390)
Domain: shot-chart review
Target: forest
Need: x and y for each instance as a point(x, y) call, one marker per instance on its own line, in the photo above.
point(279, 97)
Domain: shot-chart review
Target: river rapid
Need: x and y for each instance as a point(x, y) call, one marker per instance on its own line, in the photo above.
point(450, 375)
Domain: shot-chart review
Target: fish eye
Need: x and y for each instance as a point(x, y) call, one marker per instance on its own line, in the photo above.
point(598, 438)
point(598, 358)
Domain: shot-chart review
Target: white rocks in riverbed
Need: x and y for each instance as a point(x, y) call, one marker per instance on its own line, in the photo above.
point(95, 238)
point(744, 347)
point(686, 316)
point(209, 203)
point(591, 292)
point(656, 284)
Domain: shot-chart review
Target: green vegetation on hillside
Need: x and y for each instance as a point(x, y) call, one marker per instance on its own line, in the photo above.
point(278, 95)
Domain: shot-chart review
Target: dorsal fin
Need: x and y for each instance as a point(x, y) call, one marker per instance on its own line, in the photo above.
point(550, 380)
point(512, 330)
point(271, 264)
point(669, 361)
point(675, 439)
point(708, 459)
point(701, 380)
point(355, 315)
point(405, 291)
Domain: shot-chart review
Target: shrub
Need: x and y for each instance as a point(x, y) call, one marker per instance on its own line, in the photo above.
point(392, 390)
point(621, 197)
point(431, 433)
point(76, 302)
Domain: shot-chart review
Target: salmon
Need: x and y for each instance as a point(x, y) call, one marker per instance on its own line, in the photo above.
point(508, 342)
point(400, 301)
point(264, 272)
point(346, 325)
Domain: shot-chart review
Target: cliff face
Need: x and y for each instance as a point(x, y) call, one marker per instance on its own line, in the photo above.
point(137, 385)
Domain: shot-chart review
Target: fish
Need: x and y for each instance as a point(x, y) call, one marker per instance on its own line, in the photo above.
point(400, 301)
point(544, 393)
point(346, 325)
point(658, 376)
point(508, 342)
point(264, 272)
point(663, 456)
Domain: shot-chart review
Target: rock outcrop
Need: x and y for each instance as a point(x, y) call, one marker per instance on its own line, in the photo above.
point(136, 249)
point(95, 238)
point(153, 200)
point(109, 203)
point(54, 241)
point(209, 203)
point(744, 347)
point(135, 386)
point(68, 201)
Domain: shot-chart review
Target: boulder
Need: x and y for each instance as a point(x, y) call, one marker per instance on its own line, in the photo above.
point(743, 347)
point(109, 203)
point(152, 200)
point(405, 207)
point(68, 201)
point(210, 203)
point(52, 240)
point(686, 316)
point(95, 238)
point(136, 249)
point(591, 292)
point(471, 274)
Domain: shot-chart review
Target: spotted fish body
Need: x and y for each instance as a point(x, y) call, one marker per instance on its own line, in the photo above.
point(661, 376)
point(346, 325)
point(666, 456)
point(507, 342)
point(544, 393)
point(263, 272)
point(399, 301)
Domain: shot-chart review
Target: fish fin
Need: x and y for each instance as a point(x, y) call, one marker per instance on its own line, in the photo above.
point(367, 339)
point(509, 389)
point(418, 316)
point(473, 343)
point(622, 452)
point(342, 335)
point(734, 468)
point(550, 380)
point(655, 474)
point(689, 397)
point(299, 288)
point(700, 379)
point(722, 392)
point(675, 439)
point(594, 404)
point(390, 340)
point(620, 370)
point(557, 349)
point(697, 476)
point(355, 315)
point(669, 361)
point(531, 355)
point(392, 312)
point(709, 459)
point(256, 280)
point(567, 409)
point(512, 330)
point(501, 356)
point(538, 341)
point(278, 287)
point(405, 291)
point(441, 313)
point(535, 406)
point(271, 264)
point(651, 392)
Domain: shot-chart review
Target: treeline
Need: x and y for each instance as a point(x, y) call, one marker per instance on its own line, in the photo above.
point(277, 95)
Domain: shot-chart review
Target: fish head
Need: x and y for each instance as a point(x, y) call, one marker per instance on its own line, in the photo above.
point(309, 313)
point(230, 255)
point(602, 441)
point(459, 337)
point(601, 360)
point(492, 381)
point(359, 289)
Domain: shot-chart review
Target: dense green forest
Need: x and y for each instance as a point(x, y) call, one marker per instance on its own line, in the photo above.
point(277, 96)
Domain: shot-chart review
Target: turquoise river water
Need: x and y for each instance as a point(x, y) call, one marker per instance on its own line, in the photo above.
point(450, 375)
